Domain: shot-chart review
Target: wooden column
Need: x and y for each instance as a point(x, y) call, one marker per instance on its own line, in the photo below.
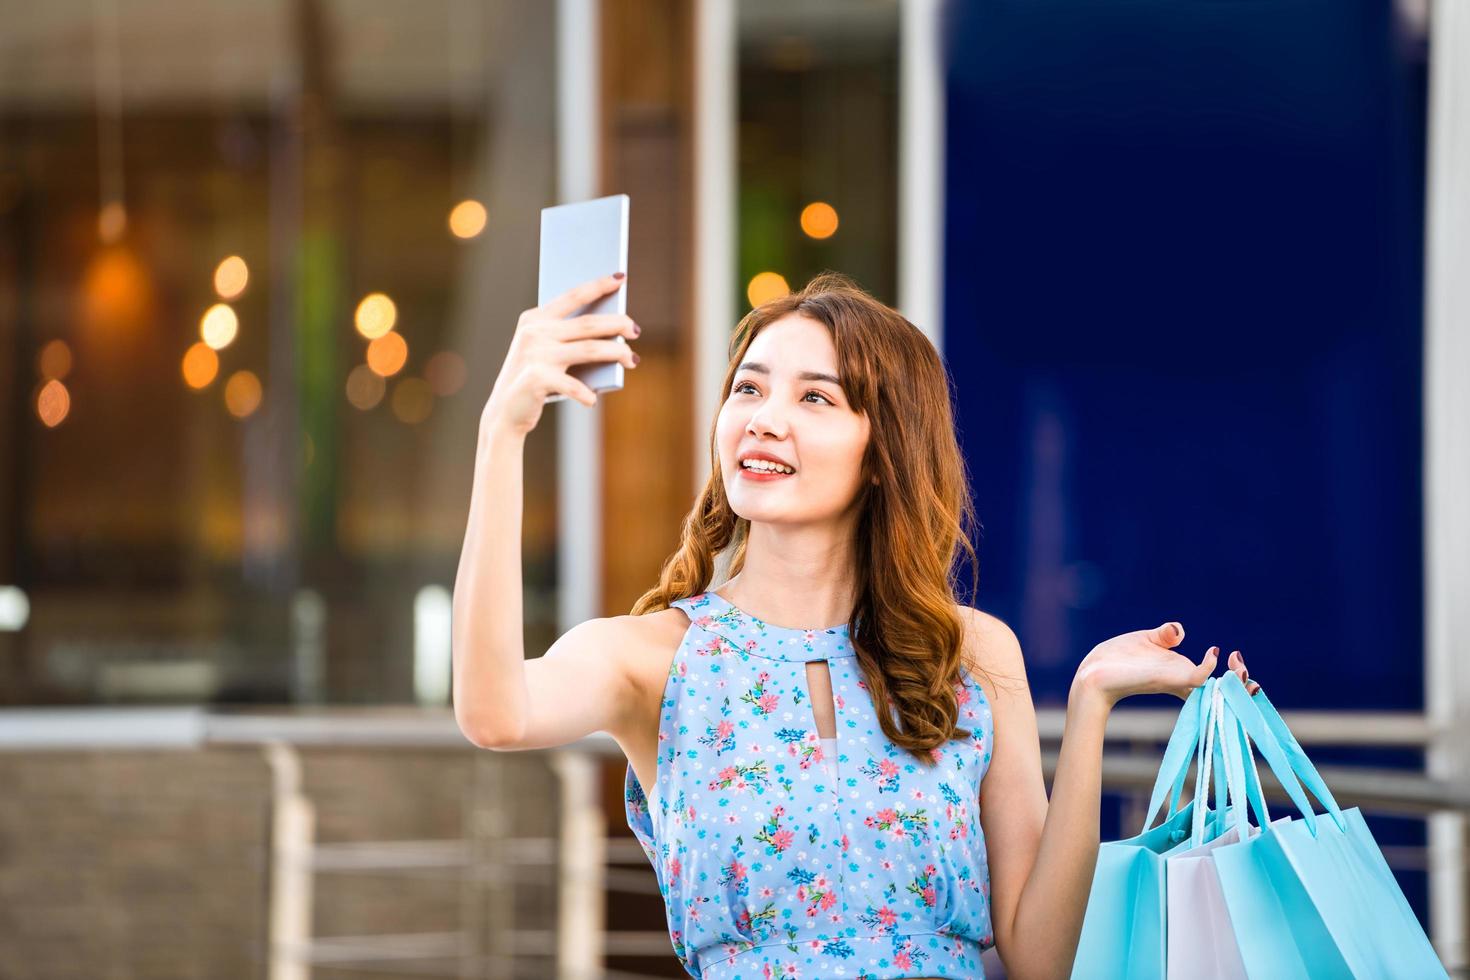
point(647, 140)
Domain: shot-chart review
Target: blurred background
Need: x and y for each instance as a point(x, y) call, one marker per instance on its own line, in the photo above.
point(1200, 272)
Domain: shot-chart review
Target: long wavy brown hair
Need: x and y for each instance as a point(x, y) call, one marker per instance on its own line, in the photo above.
point(912, 524)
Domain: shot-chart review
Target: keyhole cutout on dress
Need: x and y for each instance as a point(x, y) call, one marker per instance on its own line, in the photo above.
point(819, 686)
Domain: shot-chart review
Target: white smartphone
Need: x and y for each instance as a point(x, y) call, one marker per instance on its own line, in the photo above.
point(581, 241)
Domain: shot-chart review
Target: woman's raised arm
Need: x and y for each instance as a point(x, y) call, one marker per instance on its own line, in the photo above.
point(500, 699)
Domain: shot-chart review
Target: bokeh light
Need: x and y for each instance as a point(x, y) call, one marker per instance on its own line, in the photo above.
point(230, 277)
point(819, 219)
point(54, 361)
point(364, 388)
point(376, 315)
point(242, 394)
point(413, 400)
point(218, 326)
point(200, 365)
point(387, 354)
point(53, 403)
point(766, 286)
point(467, 219)
point(446, 373)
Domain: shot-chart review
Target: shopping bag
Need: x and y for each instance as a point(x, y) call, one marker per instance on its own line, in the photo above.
point(1123, 928)
point(1313, 897)
point(1200, 940)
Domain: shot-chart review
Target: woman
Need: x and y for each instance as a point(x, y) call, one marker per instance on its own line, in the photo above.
point(795, 829)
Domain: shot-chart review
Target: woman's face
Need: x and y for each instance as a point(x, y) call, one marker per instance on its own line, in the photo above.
point(779, 404)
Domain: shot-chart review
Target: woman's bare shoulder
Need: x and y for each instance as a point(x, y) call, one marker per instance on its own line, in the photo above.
point(990, 643)
point(652, 639)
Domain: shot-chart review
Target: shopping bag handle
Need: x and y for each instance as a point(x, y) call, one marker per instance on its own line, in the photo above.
point(1285, 756)
point(1177, 755)
point(1243, 784)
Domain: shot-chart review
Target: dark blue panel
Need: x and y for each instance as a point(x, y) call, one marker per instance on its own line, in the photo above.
point(1183, 293)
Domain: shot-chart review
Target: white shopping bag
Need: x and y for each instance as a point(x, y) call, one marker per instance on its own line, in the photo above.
point(1201, 942)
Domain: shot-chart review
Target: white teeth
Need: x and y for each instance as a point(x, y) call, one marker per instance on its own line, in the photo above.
point(766, 466)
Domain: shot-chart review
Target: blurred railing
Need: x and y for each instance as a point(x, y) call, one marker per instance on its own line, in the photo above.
point(587, 863)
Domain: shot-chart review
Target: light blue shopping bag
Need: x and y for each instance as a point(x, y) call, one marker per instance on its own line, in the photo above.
point(1313, 897)
point(1124, 930)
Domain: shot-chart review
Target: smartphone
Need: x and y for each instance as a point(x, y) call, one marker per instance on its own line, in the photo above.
point(581, 241)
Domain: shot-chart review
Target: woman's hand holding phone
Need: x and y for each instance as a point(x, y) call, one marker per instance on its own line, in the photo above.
point(545, 344)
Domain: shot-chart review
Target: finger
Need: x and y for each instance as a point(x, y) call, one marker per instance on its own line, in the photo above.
point(573, 388)
point(1203, 669)
point(594, 325)
point(587, 351)
point(1168, 635)
point(582, 294)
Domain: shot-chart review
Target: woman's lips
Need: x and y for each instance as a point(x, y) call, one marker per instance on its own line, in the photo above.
point(759, 476)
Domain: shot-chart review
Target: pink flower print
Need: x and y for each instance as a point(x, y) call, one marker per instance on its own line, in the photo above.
point(789, 970)
point(929, 897)
point(726, 774)
point(769, 702)
point(724, 728)
point(675, 866)
point(783, 839)
point(829, 899)
point(888, 768)
point(766, 892)
point(763, 676)
point(902, 961)
point(737, 871)
point(961, 694)
point(887, 917)
point(886, 815)
point(918, 794)
point(838, 701)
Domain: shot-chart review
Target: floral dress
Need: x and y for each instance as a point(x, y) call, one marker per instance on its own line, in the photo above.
point(769, 866)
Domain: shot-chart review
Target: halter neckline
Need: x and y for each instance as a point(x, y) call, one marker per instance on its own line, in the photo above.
point(751, 634)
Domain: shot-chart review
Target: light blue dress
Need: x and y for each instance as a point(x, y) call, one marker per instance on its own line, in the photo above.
point(771, 868)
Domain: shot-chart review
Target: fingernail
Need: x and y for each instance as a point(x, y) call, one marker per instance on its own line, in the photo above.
point(637, 330)
point(619, 275)
point(636, 358)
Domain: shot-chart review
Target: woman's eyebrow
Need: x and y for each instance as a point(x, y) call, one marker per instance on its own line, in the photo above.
point(760, 368)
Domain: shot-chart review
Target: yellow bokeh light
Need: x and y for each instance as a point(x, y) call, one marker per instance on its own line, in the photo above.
point(445, 373)
point(376, 315)
point(467, 219)
point(200, 365)
point(364, 388)
point(218, 326)
point(242, 393)
point(766, 286)
point(53, 403)
point(413, 400)
point(230, 277)
point(387, 354)
point(54, 361)
point(819, 219)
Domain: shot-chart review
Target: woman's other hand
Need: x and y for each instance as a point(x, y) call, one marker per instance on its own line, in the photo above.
point(1143, 662)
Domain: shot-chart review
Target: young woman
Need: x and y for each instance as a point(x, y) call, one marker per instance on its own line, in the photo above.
point(795, 827)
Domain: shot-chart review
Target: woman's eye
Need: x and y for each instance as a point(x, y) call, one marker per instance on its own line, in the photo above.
point(739, 385)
